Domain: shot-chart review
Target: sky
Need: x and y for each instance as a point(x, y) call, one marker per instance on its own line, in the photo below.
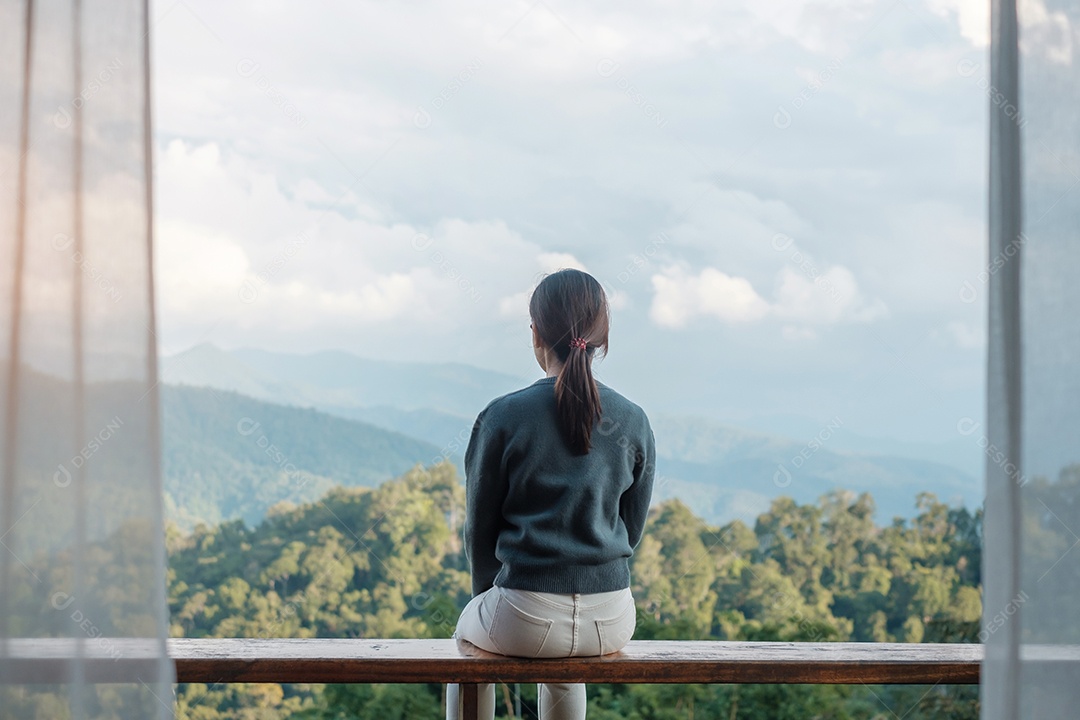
point(785, 201)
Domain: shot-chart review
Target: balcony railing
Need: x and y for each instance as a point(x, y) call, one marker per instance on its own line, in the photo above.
point(313, 660)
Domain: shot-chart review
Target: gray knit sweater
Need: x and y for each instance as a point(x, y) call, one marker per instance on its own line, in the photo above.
point(543, 519)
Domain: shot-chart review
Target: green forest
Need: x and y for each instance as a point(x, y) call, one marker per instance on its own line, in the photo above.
point(387, 562)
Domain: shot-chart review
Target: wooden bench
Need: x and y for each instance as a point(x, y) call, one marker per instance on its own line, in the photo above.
point(642, 661)
point(441, 661)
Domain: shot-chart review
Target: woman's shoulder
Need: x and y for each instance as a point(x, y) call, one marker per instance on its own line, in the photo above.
point(522, 399)
point(612, 393)
point(612, 399)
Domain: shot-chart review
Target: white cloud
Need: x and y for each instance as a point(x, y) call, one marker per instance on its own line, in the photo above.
point(1047, 33)
point(552, 261)
point(972, 18)
point(617, 300)
point(197, 268)
point(679, 296)
point(806, 300)
point(240, 251)
point(1042, 32)
point(966, 336)
point(516, 305)
point(823, 299)
point(237, 250)
point(396, 295)
point(825, 27)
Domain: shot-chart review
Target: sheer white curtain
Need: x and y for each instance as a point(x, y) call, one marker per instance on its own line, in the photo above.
point(1031, 608)
point(82, 561)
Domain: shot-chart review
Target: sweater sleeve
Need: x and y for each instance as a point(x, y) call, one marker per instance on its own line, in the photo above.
point(634, 503)
point(485, 490)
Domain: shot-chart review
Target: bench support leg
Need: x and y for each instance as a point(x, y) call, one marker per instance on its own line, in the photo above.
point(470, 701)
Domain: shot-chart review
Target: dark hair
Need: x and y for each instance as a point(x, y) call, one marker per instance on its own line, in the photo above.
point(565, 305)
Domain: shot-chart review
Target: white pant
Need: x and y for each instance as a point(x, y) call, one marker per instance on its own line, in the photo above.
point(544, 625)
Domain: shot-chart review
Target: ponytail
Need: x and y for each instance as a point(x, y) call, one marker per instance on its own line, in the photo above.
point(563, 302)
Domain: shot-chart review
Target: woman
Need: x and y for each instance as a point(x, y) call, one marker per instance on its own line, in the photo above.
point(558, 479)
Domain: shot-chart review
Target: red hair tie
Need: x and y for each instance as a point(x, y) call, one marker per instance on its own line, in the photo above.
point(578, 343)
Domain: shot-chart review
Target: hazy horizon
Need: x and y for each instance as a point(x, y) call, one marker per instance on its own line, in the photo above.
point(334, 387)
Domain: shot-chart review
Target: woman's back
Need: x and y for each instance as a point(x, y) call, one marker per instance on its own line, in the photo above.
point(543, 518)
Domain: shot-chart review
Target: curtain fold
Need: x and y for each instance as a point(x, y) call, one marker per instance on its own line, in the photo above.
point(82, 559)
point(1031, 614)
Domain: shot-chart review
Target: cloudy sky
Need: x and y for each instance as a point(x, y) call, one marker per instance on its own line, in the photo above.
point(785, 200)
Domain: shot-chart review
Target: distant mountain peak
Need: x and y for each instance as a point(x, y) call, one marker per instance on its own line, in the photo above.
point(339, 379)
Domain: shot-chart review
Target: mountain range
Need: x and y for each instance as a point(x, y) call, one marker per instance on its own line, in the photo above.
point(337, 418)
point(228, 456)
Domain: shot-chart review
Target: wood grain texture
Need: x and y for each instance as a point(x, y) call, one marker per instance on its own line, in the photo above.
point(430, 661)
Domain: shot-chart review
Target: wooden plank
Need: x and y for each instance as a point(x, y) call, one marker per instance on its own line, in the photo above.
point(421, 661)
point(440, 661)
point(52, 660)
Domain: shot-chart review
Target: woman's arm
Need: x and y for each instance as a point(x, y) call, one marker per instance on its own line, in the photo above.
point(634, 503)
point(485, 490)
